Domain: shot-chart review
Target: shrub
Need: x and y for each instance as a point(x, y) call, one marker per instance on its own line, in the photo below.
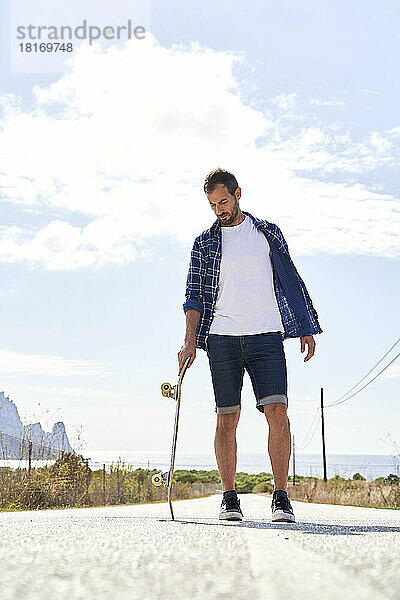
point(337, 479)
point(393, 479)
point(264, 486)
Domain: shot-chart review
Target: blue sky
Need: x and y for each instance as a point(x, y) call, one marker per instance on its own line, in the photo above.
point(102, 166)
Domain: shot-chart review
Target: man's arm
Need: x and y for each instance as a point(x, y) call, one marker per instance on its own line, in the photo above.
point(306, 339)
point(193, 306)
point(189, 344)
point(195, 280)
point(309, 340)
point(312, 313)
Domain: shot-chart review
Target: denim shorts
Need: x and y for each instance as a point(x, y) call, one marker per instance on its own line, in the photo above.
point(263, 357)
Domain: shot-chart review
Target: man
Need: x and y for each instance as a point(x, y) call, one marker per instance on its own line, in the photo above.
point(244, 296)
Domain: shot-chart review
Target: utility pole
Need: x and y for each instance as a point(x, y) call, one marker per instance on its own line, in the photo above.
point(294, 464)
point(323, 434)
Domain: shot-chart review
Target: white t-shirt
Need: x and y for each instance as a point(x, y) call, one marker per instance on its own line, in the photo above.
point(246, 302)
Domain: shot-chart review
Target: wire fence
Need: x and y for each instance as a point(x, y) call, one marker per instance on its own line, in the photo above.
point(16, 448)
point(71, 482)
point(369, 471)
point(35, 475)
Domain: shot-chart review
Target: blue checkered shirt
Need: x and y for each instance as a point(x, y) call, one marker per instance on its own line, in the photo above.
point(299, 317)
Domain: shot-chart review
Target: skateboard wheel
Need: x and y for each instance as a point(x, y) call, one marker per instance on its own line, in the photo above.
point(157, 479)
point(166, 389)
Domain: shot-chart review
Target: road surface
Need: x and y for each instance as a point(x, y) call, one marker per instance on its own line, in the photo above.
point(136, 552)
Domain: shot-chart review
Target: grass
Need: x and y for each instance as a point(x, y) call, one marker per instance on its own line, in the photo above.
point(383, 492)
point(70, 483)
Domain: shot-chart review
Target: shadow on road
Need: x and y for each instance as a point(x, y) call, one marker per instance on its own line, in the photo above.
point(315, 528)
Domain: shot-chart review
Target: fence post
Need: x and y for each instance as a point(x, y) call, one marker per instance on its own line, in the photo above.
point(149, 492)
point(29, 457)
point(87, 481)
point(104, 483)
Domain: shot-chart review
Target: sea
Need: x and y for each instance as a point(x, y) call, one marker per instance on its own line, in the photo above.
point(369, 466)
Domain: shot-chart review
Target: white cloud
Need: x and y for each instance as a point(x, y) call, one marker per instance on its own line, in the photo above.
point(44, 364)
point(302, 404)
point(370, 92)
point(334, 103)
point(7, 292)
point(62, 246)
point(285, 101)
point(79, 393)
point(393, 131)
point(127, 136)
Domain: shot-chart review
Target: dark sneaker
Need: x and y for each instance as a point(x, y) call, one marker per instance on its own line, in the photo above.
point(281, 508)
point(230, 507)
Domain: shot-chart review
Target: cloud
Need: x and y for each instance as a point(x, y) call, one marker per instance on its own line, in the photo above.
point(44, 364)
point(285, 101)
point(63, 246)
point(79, 393)
point(334, 103)
point(302, 404)
point(126, 136)
point(7, 292)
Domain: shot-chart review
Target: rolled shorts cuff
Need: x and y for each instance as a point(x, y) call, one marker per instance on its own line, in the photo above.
point(225, 410)
point(273, 399)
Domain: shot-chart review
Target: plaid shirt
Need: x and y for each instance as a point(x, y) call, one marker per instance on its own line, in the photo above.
point(299, 317)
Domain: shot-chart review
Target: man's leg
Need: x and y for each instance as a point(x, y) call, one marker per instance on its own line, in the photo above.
point(225, 448)
point(279, 442)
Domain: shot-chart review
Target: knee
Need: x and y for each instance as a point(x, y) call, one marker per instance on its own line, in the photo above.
point(276, 414)
point(227, 423)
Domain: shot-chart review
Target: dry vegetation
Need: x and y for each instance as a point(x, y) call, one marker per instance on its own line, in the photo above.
point(70, 482)
point(383, 492)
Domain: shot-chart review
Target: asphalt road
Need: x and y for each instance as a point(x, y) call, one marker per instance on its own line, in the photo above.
point(136, 552)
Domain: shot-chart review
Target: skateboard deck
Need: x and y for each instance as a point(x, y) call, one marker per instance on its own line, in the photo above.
point(170, 391)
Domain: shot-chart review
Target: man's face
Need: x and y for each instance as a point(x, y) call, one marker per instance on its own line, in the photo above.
point(224, 204)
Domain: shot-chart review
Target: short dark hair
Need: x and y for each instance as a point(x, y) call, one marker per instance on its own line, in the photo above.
point(220, 176)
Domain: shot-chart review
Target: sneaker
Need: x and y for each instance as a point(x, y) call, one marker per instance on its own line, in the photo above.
point(281, 508)
point(230, 507)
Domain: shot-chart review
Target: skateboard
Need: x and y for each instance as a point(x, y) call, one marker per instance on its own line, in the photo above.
point(174, 392)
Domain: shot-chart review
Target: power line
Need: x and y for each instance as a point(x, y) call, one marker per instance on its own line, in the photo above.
point(364, 386)
point(308, 432)
point(366, 375)
point(307, 443)
point(315, 415)
point(343, 398)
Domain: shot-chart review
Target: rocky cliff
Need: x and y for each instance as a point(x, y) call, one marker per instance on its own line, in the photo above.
point(14, 436)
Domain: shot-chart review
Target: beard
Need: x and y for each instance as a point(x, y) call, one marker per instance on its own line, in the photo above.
point(230, 217)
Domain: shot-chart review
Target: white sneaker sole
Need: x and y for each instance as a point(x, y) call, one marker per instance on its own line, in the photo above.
point(231, 516)
point(281, 516)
